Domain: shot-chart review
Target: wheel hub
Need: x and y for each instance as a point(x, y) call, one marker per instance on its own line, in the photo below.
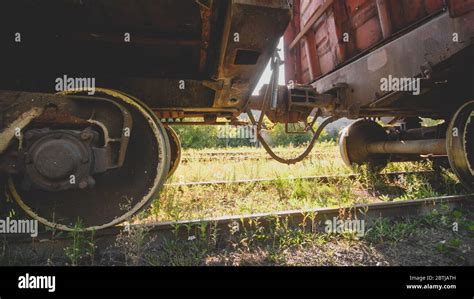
point(353, 144)
point(55, 159)
point(59, 159)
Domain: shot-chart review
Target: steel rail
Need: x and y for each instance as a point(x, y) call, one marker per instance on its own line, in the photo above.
point(244, 156)
point(312, 220)
point(321, 178)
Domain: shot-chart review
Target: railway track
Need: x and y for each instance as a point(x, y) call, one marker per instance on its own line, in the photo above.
point(222, 228)
point(319, 178)
point(242, 156)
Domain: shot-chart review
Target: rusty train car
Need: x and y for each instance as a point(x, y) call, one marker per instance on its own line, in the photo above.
point(89, 89)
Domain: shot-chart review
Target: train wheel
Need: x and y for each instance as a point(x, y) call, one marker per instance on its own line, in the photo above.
point(118, 193)
point(175, 146)
point(460, 141)
point(6, 203)
point(353, 144)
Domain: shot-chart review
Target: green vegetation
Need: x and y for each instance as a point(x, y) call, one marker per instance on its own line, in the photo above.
point(392, 231)
point(386, 242)
point(133, 242)
point(82, 249)
point(287, 192)
point(250, 242)
point(199, 137)
point(387, 230)
point(208, 136)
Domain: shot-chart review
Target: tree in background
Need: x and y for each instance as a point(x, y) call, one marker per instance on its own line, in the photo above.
point(199, 137)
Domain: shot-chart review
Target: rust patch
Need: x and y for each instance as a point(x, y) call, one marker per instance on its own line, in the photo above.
point(52, 115)
point(205, 11)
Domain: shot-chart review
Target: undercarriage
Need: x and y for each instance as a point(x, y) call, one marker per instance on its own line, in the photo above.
point(71, 151)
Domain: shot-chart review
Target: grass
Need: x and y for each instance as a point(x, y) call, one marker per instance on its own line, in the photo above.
point(454, 244)
point(221, 169)
point(133, 242)
point(386, 230)
point(249, 242)
point(83, 248)
point(287, 192)
point(196, 202)
point(282, 243)
point(322, 147)
point(218, 168)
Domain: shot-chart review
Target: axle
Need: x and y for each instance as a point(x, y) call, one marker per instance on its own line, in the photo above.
point(419, 147)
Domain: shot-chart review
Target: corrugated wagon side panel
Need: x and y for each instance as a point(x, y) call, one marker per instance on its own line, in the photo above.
point(326, 33)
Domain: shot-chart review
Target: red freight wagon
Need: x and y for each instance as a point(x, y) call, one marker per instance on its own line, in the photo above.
point(325, 34)
point(364, 59)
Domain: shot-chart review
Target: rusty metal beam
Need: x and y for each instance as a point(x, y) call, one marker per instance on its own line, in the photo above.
point(138, 40)
point(206, 12)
